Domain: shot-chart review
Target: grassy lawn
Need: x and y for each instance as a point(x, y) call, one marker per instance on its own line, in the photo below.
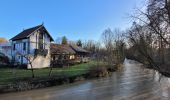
point(8, 75)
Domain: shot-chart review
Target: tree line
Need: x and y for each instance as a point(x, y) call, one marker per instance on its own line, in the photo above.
point(110, 48)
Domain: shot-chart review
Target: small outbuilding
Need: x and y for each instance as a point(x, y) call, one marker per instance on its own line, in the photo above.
point(67, 54)
point(82, 55)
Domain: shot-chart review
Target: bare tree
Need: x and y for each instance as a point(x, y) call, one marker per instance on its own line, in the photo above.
point(90, 45)
point(156, 19)
point(30, 58)
point(58, 40)
point(119, 45)
point(108, 40)
point(141, 38)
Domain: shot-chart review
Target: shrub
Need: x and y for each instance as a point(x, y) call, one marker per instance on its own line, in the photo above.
point(98, 71)
point(3, 59)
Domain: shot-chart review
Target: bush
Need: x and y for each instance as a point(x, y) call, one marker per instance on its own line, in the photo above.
point(98, 71)
point(3, 59)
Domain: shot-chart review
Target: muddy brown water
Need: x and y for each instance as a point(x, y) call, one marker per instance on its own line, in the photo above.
point(131, 83)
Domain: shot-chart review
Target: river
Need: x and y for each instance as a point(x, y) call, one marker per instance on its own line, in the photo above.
point(131, 83)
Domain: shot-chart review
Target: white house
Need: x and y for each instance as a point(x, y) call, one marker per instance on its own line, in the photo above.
point(32, 45)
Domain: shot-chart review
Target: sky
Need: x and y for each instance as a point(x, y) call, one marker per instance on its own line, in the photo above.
point(75, 19)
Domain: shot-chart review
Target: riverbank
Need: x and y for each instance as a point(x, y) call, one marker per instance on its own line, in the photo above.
point(12, 80)
point(163, 68)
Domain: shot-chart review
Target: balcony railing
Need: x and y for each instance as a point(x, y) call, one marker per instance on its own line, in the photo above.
point(41, 52)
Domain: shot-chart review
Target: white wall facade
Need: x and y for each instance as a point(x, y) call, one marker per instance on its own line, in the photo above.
point(19, 52)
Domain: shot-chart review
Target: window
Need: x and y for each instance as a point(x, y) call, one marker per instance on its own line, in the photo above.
point(14, 47)
point(24, 46)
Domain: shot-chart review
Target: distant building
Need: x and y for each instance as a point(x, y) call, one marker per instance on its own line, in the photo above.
point(82, 55)
point(5, 48)
point(32, 43)
point(61, 55)
point(68, 54)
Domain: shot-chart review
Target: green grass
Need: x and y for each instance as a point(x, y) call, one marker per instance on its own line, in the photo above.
point(8, 75)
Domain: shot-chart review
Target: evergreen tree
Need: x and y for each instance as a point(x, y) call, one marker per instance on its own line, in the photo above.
point(64, 40)
point(79, 43)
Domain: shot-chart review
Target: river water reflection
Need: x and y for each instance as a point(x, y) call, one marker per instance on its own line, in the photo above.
point(131, 83)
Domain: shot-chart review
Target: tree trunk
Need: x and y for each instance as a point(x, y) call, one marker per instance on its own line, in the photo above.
point(32, 70)
point(51, 68)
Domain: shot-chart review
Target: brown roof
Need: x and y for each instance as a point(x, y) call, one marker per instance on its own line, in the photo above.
point(67, 49)
point(26, 33)
point(78, 49)
point(61, 49)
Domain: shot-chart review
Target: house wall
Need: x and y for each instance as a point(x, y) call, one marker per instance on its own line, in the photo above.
point(16, 54)
point(34, 42)
point(40, 61)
